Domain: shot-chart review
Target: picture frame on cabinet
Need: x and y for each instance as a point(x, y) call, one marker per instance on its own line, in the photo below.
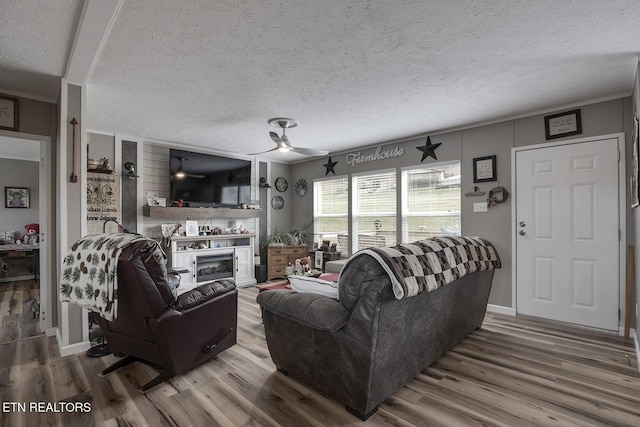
point(191, 228)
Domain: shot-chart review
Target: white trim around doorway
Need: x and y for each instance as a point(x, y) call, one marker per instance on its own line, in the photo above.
point(622, 210)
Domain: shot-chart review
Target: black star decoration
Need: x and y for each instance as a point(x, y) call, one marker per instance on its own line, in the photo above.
point(429, 149)
point(329, 165)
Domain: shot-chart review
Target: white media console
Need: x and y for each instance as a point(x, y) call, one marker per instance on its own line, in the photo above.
point(211, 257)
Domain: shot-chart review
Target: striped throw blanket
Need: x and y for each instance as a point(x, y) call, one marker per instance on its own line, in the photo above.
point(428, 264)
point(89, 274)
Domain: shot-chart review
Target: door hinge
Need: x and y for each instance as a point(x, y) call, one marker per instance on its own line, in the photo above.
point(619, 315)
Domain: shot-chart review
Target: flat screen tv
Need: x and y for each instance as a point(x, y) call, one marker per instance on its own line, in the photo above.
point(209, 180)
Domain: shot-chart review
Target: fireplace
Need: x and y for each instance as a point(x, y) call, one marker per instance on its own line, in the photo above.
point(214, 267)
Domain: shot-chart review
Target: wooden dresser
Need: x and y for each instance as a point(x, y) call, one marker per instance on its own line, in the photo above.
point(279, 256)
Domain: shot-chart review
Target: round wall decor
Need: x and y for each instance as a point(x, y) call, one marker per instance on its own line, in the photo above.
point(301, 187)
point(281, 184)
point(277, 202)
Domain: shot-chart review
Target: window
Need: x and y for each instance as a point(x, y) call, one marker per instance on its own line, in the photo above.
point(430, 201)
point(374, 210)
point(331, 211)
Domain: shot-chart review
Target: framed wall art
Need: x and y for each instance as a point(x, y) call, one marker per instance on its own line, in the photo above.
point(484, 169)
point(16, 197)
point(8, 113)
point(563, 124)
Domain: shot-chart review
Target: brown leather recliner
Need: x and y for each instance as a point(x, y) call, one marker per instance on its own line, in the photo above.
point(153, 326)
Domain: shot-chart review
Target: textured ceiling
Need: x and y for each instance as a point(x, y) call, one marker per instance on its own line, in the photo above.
point(354, 73)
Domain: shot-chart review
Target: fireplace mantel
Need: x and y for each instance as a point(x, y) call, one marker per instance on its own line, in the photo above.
point(173, 213)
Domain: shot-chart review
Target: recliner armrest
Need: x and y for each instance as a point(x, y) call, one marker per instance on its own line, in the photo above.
point(204, 293)
point(316, 311)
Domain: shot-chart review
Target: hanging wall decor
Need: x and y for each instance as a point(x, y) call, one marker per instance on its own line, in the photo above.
point(16, 197)
point(429, 149)
point(484, 169)
point(563, 124)
point(330, 165)
point(8, 113)
point(301, 187)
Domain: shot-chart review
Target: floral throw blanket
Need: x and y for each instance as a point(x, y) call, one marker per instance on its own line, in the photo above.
point(428, 264)
point(89, 277)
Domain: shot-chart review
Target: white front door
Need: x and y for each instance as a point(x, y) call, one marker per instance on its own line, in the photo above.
point(567, 233)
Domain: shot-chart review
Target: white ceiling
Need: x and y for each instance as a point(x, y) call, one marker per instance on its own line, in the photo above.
point(354, 73)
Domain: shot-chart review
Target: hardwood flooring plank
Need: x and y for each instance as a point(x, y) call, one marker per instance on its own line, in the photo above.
point(514, 371)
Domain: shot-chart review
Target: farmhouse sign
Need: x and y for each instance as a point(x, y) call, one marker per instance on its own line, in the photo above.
point(357, 158)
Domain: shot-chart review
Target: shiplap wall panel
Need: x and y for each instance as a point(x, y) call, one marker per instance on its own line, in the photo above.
point(155, 166)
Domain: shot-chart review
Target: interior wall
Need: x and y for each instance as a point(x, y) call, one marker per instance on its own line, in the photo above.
point(100, 146)
point(635, 111)
point(280, 218)
point(19, 173)
point(465, 145)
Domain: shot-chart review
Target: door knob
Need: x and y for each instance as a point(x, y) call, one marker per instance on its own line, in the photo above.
point(521, 224)
point(522, 232)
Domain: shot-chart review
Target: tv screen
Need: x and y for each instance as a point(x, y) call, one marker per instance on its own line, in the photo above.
point(209, 180)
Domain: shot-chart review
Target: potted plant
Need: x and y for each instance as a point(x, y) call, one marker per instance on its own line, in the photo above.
point(277, 237)
point(300, 234)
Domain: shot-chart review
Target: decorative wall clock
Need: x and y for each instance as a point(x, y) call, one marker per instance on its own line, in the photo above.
point(281, 184)
point(277, 202)
point(301, 187)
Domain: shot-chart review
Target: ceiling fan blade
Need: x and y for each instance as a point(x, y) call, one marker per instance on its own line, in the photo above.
point(275, 137)
point(195, 176)
point(309, 151)
point(262, 152)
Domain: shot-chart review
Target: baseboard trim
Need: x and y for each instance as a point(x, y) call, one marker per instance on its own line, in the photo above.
point(501, 309)
point(68, 350)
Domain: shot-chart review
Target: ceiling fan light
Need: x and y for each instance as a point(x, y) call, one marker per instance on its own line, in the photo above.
point(284, 149)
point(180, 173)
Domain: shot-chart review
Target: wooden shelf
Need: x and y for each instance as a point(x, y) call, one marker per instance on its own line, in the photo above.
point(199, 213)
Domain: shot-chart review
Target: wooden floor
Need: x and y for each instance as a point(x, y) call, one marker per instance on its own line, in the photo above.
point(512, 372)
point(16, 315)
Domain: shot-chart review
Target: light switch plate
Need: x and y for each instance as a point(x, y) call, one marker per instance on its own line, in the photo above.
point(480, 207)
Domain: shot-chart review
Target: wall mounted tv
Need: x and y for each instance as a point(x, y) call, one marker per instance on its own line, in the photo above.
point(209, 180)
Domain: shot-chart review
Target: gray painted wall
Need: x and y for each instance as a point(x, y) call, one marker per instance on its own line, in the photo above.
point(19, 173)
point(101, 146)
point(635, 110)
point(494, 139)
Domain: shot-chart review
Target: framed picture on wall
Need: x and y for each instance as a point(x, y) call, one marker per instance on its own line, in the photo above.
point(8, 113)
point(16, 197)
point(484, 169)
point(563, 124)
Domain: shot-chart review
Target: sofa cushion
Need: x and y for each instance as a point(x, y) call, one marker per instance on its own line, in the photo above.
point(315, 311)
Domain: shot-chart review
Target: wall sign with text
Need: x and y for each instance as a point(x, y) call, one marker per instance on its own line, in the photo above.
point(563, 124)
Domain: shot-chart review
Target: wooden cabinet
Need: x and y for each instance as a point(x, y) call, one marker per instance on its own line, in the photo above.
point(279, 256)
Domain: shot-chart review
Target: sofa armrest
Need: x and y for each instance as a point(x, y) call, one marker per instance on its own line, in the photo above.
point(316, 311)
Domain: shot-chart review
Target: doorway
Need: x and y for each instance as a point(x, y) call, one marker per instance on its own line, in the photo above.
point(26, 301)
point(568, 231)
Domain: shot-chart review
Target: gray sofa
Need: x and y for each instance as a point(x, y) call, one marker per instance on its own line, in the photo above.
point(366, 346)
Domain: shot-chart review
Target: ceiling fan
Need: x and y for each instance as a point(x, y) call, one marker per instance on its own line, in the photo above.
point(282, 142)
point(180, 172)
